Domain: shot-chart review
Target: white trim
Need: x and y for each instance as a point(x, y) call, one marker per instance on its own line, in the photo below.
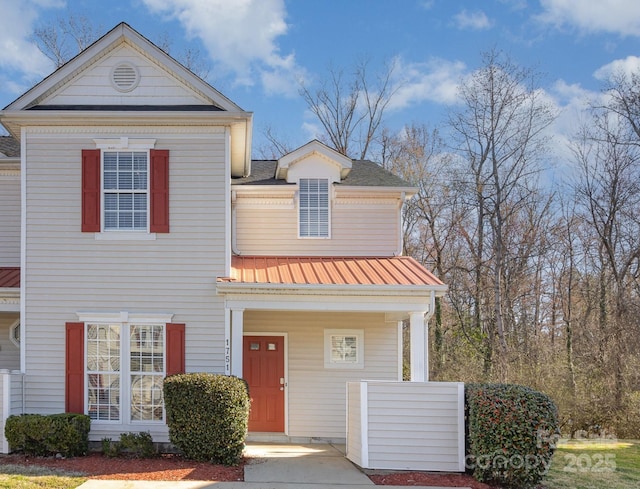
point(124, 317)
point(23, 248)
point(418, 347)
point(237, 327)
point(227, 203)
point(124, 143)
point(227, 341)
point(124, 235)
point(12, 329)
point(400, 352)
point(461, 428)
point(6, 406)
point(286, 371)
point(364, 423)
point(331, 289)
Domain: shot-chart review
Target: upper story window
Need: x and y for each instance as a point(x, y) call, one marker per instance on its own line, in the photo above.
point(314, 208)
point(125, 187)
point(125, 190)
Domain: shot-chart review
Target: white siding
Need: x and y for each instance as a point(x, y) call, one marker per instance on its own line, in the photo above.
point(10, 221)
point(9, 353)
point(70, 271)
point(93, 86)
point(414, 425)
point(358, 227)
point(317, 396)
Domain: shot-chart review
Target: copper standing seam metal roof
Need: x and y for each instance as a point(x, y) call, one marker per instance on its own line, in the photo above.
point(9, 277)
point(397, 270)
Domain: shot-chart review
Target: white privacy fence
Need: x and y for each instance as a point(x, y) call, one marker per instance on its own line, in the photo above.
point(406, 425)
point(10, 401)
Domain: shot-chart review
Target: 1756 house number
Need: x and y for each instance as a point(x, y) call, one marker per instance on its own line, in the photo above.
point(597, 462)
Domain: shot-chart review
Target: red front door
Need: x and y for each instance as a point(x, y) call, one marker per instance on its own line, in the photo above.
point(263, 369)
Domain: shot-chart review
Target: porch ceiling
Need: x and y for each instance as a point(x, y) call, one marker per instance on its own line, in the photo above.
point(383, 271)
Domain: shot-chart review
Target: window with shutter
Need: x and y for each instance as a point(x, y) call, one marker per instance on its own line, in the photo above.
point(125, 188)
point(115, 369)
point(313, 208)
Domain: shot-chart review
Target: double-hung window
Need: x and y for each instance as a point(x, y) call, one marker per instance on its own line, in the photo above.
point(125, 368)
point(125, 190)
point(314, 208)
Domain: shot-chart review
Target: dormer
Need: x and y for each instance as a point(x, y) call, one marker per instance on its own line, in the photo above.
point(313, 160)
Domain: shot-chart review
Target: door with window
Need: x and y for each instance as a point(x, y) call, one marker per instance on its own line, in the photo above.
point(263, 369)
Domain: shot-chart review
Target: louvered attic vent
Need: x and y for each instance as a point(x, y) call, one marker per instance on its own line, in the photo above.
point(125, 77)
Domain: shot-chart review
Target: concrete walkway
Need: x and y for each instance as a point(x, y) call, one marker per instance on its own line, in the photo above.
point(273, 466)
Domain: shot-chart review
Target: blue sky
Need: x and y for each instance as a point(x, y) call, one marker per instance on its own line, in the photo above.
point(259, 49)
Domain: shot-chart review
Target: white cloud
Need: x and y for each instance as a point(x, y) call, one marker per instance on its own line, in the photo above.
point(436, 80)
point(17, 53)
point(616, 16)
point(477, 20)
point(626, 66)
point(240, 36)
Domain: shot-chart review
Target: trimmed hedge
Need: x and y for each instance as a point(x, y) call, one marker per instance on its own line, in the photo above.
point(39, 435)
point(207, 415)
point(512, 431)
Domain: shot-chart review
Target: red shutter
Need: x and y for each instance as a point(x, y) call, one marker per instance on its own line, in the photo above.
point(175, 348)
point(159, 187)
point(90, 190)
point(74, 371)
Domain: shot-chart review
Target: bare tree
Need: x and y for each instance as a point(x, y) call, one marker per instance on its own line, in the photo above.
point(499, 133)
point(65, 37)
point(350, 108)
point(61, 39)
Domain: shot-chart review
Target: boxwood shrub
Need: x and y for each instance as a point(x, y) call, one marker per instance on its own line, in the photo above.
point(38, 435)
point(207, 415)
point(511, 432)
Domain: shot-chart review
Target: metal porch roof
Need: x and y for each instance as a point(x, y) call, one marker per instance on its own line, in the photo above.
point(9, 277)
point(397, 270)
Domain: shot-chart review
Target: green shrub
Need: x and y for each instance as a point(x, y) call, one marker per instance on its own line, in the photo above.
point(134, 445)
point(38, 435)
point(511, 432)
point(207, 415)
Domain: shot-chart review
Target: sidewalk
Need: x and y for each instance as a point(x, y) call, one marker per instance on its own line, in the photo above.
point(273, 466)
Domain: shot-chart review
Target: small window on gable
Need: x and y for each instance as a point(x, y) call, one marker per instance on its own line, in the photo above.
point(314, 208)
point(344, 348)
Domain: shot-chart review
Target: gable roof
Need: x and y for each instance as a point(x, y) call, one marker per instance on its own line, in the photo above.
point(122, 33)
point(39, 105)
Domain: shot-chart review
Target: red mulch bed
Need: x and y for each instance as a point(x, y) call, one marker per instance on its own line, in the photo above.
point(427, 479)
point(162, 468)
point(175, 468)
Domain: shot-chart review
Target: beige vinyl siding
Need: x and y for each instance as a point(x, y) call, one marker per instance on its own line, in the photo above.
point(412, 425)
point(9, 353)
point(317, 395)
point(357, 227)
point(10, 221)
point(69, 271)
point(156, 86)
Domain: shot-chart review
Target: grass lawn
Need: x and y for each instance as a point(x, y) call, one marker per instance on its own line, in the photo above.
point(33, 477)
point(595, 464)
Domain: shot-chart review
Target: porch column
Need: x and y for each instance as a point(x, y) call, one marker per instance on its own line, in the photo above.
point(237, 326)
point(419, 353)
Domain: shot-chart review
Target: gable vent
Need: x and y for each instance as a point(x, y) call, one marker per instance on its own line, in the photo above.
point(125, 77)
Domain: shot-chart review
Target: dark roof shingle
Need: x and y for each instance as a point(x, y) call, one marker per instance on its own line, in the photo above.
point(9, 146)
point(364, 173)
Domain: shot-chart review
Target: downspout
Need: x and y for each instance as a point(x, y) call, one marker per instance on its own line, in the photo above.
point(234, 219)
point(400, 245)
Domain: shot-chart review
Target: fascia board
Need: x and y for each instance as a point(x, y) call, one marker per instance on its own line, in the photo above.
point(366, 189)
point(346, 290)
